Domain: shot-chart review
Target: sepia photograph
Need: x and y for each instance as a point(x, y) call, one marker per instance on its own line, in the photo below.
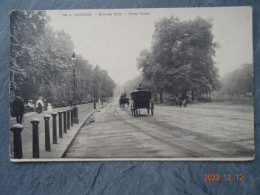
point(167, 84)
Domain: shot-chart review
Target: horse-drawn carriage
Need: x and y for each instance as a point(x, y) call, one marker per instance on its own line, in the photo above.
point(122, 101)
point(141, 99)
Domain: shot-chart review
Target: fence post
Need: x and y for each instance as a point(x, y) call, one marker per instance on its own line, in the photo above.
point(68, 119)
point(36, 152)
point(54, 128)
point(71, 116)
point(64, 121)
point(47, 133)
point(18, 151)
point(60, 124)
point(75, 115)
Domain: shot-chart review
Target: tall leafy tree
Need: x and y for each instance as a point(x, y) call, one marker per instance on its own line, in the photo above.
point(42, 65)
point(180, 58)
point(26, 28)
point(103, 83)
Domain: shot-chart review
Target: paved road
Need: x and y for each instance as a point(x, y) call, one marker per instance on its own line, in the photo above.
point(198, 131)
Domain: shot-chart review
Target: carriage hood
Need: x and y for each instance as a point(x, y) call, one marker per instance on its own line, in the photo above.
point(141, 94)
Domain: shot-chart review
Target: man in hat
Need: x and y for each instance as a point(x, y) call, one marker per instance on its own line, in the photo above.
point(18, 108)
point(140, 87)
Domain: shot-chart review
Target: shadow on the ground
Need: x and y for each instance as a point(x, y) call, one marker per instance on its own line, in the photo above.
point(143, 115)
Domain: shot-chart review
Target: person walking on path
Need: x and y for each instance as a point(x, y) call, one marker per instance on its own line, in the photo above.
point(39, 105)
point(18, 108)
point(49, 107)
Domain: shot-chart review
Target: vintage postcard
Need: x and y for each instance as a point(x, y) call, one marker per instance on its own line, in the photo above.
point(132, 84)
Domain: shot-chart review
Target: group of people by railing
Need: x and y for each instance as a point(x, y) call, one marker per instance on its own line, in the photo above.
point(18, 107)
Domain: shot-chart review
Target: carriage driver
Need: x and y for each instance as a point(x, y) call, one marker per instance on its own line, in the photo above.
point(140, 87)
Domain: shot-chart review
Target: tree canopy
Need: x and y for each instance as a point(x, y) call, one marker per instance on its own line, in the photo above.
point(41, 64)
point(132, 84)
point(180, 58)
point(238, 82)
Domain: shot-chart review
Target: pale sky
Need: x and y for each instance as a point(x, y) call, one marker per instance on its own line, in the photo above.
point(114, 41)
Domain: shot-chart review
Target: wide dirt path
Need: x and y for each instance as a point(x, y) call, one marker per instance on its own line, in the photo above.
point(200, 131)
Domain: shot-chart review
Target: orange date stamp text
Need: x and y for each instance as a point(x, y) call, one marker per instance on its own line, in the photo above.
point(225, 177)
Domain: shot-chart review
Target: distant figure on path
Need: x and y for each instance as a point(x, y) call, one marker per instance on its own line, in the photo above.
point(45, 104)
point(49, 107)
point(30, 104)
point(18, 108)
point(39, 105)
point(183, 99)
point(30, 107)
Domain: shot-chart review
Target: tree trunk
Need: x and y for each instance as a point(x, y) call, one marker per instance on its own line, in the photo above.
point(192, 94)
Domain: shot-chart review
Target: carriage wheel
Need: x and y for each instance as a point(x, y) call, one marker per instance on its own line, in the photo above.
point(132, 110)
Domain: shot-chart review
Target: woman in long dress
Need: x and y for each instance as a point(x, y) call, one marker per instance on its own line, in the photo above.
point(39, 105)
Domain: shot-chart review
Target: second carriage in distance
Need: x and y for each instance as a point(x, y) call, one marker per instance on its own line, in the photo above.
point(123, 101)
